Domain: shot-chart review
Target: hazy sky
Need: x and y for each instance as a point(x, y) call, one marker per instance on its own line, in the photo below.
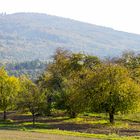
point(119, 14)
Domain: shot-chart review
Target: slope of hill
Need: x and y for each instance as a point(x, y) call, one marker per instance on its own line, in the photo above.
point(30, 36)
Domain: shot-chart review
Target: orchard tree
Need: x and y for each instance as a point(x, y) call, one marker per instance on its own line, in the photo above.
point(52, 81)
point(30, 98)
point(9, 87)
point(61, 78)
point(129, 59)
point(110, 89)
point(43, 83)
point(82, 66)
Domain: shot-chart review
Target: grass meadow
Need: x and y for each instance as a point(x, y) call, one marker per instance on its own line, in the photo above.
point(86, 126)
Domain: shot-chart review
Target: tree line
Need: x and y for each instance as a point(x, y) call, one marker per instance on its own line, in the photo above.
point(76, 83)
point(31, 68)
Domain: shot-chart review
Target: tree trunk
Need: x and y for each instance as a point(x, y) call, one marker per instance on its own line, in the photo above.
point(48, 109)
point(4, 115)
point(72, 114)
point(33, 117)
point(111, 116)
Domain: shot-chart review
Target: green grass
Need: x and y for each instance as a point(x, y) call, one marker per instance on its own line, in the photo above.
point(27, 127)
point(98, 121)
point(131, 117)
point(23, 135)
point(99, 136)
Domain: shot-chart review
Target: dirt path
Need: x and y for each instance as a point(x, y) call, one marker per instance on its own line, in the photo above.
point(21, 135)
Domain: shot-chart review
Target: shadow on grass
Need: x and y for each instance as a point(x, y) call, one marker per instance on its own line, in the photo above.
point(28, 125)
point(51, 119)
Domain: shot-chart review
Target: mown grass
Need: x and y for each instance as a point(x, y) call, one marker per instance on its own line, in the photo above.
point(78, 134)
point(24, 135)
point(66, 133)
point(50, 125)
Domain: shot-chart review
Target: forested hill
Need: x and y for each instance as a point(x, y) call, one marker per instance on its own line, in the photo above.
point(30, 36)
point(32, 69)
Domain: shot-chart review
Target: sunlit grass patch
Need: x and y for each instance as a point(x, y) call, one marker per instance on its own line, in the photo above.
point(99, 136)
point(135, 117)
point(89, 119)
point(91, 125)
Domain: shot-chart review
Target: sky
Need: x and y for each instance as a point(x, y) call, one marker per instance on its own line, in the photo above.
point(123, 15)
